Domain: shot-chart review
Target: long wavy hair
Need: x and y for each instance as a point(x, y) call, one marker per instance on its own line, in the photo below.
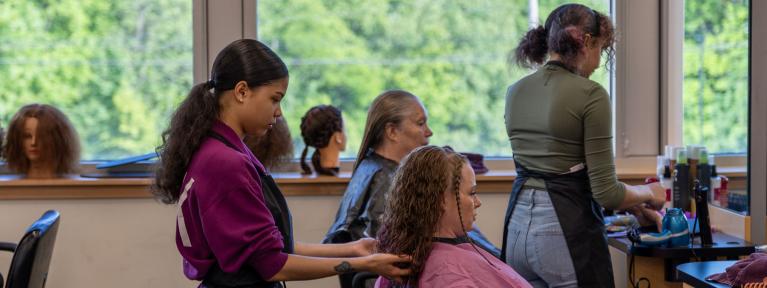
point(275, 148)
point(317, 127)
point(389, 107)
point(554, 36)
point(243, 60)
point(416, 203)
point(56, 137)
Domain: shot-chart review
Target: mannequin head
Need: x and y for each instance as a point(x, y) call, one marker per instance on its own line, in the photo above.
point(41, 142)
point(275, 147)
point(322, 127)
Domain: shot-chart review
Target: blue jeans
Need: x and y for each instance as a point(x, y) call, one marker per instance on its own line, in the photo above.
point(537, 249)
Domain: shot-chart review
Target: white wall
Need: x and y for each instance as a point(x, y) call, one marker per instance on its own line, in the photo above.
point(130, 242)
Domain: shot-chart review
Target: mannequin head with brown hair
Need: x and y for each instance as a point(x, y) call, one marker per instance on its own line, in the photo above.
point(275, 148)
point(322, 127)
point(42, 143)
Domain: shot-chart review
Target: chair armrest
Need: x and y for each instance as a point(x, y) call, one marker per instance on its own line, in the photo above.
point(7, 246)
point(361, 277)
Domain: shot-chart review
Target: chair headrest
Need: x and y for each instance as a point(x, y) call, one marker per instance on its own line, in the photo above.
point(43, 224)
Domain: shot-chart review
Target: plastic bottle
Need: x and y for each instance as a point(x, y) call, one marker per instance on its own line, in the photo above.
point(668, 183)
point(681, 195)
point(716, 183)
point(692, 162)
point(661, 162)
point(704, 170)
point(723, 193)
point(676, 222)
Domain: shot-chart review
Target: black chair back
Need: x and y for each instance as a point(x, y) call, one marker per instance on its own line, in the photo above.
point(29, 266)
point(361, 279)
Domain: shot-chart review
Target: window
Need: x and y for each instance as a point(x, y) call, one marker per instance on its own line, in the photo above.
point(452, 54)
point(716, 75)
point(716, 72)
point(116, 68)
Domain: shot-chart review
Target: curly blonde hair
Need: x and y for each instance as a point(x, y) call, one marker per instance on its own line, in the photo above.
point(416, 203)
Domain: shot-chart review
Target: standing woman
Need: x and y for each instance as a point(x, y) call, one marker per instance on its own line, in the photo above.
point(232, 231)
point(559, 125)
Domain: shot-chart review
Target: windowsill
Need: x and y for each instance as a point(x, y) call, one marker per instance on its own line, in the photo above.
point(291, 183)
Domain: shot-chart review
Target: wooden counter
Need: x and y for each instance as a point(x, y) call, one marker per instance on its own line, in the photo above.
point(292, 184)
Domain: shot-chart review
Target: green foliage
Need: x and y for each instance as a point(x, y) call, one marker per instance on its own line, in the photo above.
point(119, 68)
point(116, 68)
point(452, 54)
point(716, 74)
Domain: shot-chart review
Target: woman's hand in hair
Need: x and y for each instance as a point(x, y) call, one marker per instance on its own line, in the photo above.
point(364, 246)
point(392, 267)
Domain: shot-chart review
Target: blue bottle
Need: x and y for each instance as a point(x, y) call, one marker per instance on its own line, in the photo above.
point(675, 222)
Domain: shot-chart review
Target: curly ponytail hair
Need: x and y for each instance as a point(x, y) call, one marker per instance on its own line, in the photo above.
point(243, 60)
point(317, 127)
point(556, 35)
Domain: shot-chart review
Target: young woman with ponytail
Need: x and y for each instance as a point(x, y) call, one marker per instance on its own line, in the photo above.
point(559, 125)
point(323, 128)
point(233, 226)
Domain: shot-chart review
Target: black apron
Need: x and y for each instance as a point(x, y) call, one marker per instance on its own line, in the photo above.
point(247, 277)
point(581, 220)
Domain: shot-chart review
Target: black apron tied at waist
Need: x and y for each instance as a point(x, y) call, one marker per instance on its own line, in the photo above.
point(581, 220)
point(247, 277)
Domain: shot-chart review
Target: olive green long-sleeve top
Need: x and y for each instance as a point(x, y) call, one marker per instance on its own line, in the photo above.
point(556, 120)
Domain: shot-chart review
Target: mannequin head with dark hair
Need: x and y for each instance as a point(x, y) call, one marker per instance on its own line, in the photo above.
point(275, 148)
point(322, 127)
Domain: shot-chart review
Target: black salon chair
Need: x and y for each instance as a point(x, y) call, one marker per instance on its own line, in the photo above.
point(32, 256)
point(361, 278)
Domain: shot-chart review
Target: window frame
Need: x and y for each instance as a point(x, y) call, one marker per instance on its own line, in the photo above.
point(638, 138)
point(214, 26)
